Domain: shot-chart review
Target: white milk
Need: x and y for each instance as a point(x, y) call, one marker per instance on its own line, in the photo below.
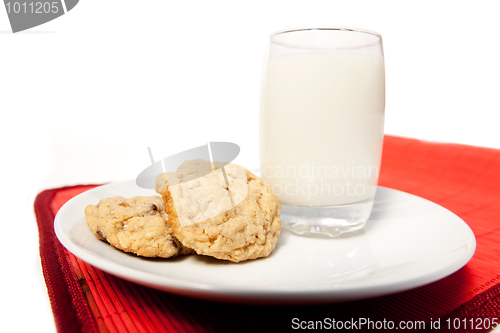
point(322, 125)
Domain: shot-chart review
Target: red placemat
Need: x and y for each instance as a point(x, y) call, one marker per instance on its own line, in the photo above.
point(463, 179)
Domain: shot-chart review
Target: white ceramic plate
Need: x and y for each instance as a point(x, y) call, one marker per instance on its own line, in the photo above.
point(408, 242)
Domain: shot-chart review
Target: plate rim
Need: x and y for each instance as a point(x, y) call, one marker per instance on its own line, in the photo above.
point(237, 294)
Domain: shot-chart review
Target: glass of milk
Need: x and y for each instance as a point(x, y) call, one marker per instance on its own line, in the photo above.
point(322, 126)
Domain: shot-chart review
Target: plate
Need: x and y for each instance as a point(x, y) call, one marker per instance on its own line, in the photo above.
point(407, 242)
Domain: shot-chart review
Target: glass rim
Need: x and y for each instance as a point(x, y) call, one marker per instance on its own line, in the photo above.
point(346, 29)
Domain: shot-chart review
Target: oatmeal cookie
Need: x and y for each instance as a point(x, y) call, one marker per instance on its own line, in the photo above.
point(137, 225)
point(236, 222)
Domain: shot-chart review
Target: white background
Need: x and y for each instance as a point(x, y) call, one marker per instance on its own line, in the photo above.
point(83, 96)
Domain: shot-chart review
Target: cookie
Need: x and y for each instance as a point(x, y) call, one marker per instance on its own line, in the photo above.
point(236, 222)
point(137, 225)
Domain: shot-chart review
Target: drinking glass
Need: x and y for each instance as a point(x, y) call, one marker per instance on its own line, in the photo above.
point(322, 126)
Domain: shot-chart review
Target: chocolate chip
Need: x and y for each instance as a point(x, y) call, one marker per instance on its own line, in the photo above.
point(151, 209)
point(100, 235)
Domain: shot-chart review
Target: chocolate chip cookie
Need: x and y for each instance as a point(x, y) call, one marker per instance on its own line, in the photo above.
point(233, 217)
point(138, 225)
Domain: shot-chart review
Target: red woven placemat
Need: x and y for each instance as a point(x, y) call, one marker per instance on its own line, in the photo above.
point(464, 179)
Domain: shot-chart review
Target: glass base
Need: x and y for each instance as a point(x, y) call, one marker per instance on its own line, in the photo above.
point(330, 221)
